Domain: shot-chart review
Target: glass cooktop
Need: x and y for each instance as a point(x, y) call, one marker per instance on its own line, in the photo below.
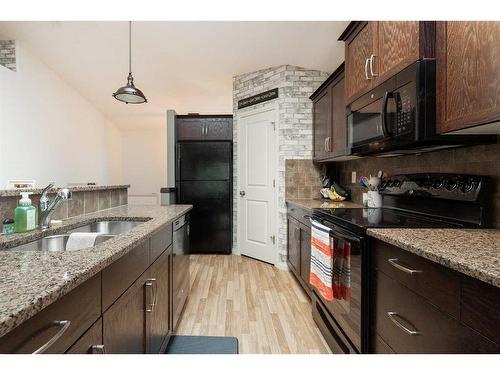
point(384, 218)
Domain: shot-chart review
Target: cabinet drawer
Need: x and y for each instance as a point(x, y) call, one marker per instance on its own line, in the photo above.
point(300, 214)
point(117, 277)
point(74, 313)
point(90, 342)
point(480, 307)
point(160, 241)
point(409, 324)
point(430, 280)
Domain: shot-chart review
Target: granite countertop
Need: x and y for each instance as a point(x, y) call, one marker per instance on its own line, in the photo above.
point(15, 192)
point(474, 252)
point(310, 204)
point(32, 280)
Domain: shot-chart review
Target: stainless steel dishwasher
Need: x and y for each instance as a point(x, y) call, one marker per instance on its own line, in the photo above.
point(180, 268)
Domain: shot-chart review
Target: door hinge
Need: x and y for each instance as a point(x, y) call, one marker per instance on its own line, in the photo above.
point(273, 238)
point(274, 183)
point(274, 125)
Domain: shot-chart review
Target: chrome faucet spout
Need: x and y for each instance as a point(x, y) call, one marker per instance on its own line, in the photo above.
point(47, 207)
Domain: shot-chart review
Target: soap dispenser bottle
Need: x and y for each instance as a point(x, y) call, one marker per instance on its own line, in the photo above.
point(25, 214)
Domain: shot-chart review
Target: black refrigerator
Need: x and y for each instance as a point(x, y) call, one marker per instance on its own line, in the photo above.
point(204, 179)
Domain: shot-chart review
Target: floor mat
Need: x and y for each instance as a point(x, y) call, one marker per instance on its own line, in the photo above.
point(202, 345)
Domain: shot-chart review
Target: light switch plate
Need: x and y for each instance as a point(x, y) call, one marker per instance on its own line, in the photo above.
point(353, 177)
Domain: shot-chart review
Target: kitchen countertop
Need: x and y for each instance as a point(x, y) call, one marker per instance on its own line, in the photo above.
point(32, 280)
point(16, 192)
point(474, 252)
point(310, 204)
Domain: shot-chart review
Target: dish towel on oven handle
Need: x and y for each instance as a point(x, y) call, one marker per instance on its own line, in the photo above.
point(321, 260)
point(341, 270)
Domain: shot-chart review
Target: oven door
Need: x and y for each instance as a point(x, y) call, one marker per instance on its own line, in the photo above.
point(346, 307)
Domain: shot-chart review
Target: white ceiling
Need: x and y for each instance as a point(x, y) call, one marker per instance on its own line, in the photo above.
point(186, 66)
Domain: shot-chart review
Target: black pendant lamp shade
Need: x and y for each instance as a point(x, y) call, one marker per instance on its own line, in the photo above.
point(129, 93)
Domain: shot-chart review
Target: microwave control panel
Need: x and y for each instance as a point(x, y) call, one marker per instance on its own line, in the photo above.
point(405, 114)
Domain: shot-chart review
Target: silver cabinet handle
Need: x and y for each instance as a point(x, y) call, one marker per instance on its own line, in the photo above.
point(328, 144)
point(155, 292)
point(371, 66)
point(398, 319)
point(366, 68)
point(64, 325)
point(149, 304)
point(206, 129)
point(395, 263)
point(296, 233)
point(97, 349)
point(325, 145)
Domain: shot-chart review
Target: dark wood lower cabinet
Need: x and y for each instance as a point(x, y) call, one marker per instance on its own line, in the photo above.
point(431, 310)
point(294, 245)
point(299, 245)
point(160, 327)
point(90, 342)
point(126, 321)
point(136, 316)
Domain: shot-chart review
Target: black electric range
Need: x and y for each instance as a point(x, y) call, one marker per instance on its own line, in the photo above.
point(409, 201)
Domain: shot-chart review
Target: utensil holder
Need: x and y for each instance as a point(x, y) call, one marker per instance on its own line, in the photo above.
point(374, 199)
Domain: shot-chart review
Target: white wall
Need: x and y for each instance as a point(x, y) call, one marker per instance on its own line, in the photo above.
point(145, 160)
point(49, 132)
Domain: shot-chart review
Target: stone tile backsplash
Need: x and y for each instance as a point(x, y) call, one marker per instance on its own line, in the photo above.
point(82, 202)
point(302, 179)
point(481, 160)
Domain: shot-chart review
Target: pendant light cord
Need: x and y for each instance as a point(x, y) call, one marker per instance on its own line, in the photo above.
point(130, 46)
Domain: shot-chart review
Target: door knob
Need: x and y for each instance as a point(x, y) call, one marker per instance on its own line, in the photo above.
point(242, 193)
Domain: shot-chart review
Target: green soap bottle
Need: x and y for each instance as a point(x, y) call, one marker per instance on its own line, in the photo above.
point(25, 214)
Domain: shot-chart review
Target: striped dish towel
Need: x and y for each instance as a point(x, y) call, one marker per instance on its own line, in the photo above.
point(321, 260)
point(341, 270)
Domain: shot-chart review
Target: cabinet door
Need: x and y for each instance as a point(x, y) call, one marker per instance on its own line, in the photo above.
point(358, 50)
point(190, 129)
point(339, 126)
point(322, 111)
point(398, 47)
point(294, 246)
point(160, 316)
point(220, 129)
point(467, 73)
point(126, 322)
point(90, 342)
point(305, 254)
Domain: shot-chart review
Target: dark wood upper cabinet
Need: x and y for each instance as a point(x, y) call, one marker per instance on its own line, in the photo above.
point(398, 47)
point(359, 47)
point(468, 74)
point(204, 128)
point(322, 123)
point(338, 143)
point(377, 50)
point(329, 123)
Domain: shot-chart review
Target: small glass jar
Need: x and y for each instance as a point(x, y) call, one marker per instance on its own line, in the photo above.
point(8, 226)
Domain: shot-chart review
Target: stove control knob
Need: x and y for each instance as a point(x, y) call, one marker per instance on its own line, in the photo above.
point(450, 185)
point(390, 183)
point(437, 184)
point(396, 183)
point(467, 186)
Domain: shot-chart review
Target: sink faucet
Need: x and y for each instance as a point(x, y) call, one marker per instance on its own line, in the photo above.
point(46, 207)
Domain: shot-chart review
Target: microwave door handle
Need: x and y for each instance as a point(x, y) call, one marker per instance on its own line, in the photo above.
point(388, 95)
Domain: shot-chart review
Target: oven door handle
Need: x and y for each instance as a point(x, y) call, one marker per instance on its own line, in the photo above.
point(388, 95)
point(335, 230)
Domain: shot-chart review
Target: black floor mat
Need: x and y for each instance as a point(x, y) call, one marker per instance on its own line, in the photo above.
point(202, 345)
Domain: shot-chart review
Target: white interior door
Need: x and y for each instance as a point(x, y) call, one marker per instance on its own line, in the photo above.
point(257, 191)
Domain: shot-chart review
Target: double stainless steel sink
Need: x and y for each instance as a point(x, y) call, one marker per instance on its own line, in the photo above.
point(105, 229)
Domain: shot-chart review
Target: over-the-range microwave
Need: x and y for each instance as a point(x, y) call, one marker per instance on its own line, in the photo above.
point(399, 116)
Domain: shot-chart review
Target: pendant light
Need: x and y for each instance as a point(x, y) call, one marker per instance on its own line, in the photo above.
point(129, 93)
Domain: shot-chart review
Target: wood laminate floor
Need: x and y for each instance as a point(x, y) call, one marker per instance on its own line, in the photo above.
point(264, 307)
